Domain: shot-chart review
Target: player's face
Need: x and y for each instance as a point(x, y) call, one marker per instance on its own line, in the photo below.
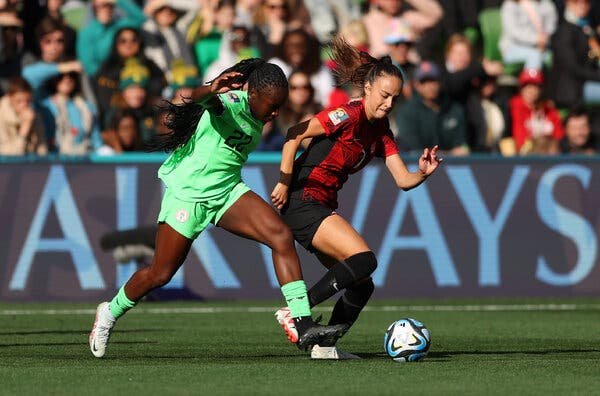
point(265, 105)
point(381, 96)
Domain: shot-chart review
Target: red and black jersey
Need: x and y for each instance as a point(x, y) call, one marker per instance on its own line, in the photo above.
point(349, 143)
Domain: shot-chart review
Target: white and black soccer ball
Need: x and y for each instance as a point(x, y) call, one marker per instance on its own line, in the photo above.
point(407, 340)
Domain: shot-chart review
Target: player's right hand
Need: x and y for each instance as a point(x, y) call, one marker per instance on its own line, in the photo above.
point(279, 195)
point(226, 82)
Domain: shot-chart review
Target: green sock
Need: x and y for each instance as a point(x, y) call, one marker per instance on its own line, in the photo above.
point(297, 298)
point(120, 304)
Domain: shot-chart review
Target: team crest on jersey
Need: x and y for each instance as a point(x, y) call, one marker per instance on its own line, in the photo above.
point(233, 98)
point(338, 115)
point(182, 215)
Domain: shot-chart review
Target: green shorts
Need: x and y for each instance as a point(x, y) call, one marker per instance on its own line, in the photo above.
point(191, 218)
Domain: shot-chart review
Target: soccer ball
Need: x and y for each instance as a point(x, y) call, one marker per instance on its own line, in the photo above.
point(407, 340)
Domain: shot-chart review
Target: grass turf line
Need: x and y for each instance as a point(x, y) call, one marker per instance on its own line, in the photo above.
point(473, 352)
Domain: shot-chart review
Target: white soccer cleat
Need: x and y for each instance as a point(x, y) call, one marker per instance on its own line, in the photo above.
point(284, 317)
point(100, 333)
point(331, 353)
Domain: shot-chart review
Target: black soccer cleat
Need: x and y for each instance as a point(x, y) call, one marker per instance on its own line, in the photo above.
point(317, 334)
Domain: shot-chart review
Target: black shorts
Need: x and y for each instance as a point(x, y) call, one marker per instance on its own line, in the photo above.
point(304, 219)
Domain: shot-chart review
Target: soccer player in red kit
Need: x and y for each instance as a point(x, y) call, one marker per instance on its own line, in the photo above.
point(343, 142)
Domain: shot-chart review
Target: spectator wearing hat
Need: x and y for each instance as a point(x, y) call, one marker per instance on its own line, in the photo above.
point(70, 122)
point(21, 130)
point(419, 16)
point(429, 118)
point(134, 79)
point(164, 32)
point(399, 43)
point(536, 125)
point(182, 81)
point(127, 44)
point(95, 40)
point(11, 47)
point(578, 138)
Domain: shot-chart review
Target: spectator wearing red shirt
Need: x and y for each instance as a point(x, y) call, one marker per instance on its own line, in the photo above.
point(536, 124)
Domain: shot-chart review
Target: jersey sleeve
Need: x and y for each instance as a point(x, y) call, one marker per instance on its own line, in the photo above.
point(333, 121)
point(386, 145)
point(231, 101)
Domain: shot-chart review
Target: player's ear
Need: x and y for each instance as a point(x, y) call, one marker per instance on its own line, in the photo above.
point(252, 94)
point(368, 87)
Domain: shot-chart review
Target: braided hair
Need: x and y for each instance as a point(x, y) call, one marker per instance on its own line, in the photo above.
point(355, 67)
point(182, 119)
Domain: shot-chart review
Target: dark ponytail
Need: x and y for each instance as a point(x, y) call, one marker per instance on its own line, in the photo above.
point(355, 67)
point(182, 119)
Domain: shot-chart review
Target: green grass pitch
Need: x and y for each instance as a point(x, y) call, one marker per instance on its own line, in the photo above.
point(516, 346)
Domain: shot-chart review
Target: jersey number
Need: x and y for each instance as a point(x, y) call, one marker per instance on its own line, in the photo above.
point(238, 140)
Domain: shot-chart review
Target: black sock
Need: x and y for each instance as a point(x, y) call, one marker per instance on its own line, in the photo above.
point(323, 289)
point(342, 275)
point(352, 302)
point(303, 323)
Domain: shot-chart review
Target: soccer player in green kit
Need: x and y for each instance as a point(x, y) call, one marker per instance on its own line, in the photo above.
point(210, 139)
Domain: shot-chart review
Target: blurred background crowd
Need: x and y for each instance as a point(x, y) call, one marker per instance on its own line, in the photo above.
point(513, 77)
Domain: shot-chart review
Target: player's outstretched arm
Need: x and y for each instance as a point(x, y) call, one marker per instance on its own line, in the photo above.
point(206, 94)
point(428, 163)
point(295, 136)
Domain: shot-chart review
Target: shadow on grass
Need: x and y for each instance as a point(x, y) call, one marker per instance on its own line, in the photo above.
point(37, 344)
point(83, 331)
point(444, 355)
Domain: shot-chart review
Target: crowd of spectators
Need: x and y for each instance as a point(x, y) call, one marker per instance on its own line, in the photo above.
point(513, 77)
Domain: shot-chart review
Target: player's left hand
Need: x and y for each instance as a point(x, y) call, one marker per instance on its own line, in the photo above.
point(226, 82)
point(429, 161)
point(279, 195)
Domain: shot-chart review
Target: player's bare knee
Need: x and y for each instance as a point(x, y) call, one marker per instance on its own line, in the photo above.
point(160, 278)
point(281, 239)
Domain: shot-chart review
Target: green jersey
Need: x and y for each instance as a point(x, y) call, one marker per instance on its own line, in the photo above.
point(217, 151)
